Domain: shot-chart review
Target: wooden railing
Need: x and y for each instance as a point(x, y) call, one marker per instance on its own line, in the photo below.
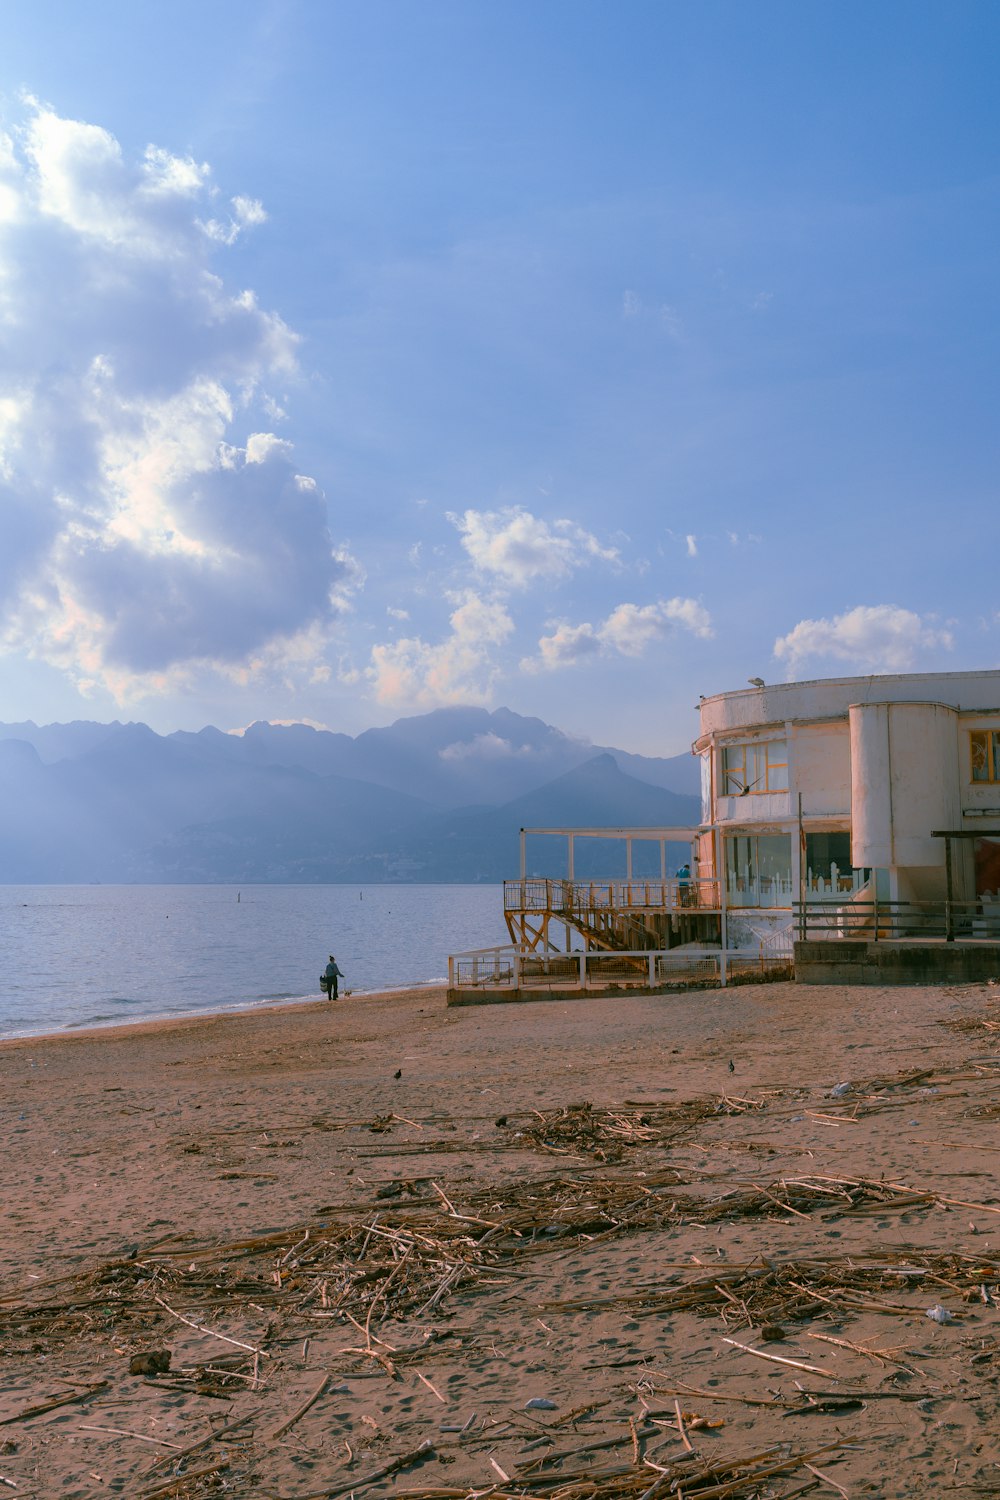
point(577, 897)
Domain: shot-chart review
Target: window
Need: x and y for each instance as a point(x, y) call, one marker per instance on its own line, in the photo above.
point(985, 746)
point(759, 870)
point(757, 767)
point(828, 869)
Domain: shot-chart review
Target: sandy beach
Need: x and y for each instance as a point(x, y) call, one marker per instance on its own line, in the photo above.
point(631, 1247)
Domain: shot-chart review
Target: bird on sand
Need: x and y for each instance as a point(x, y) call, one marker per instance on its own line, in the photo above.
point(732, 1066)
point(398, 1073)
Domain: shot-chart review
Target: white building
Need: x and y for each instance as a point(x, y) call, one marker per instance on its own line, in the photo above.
point(835, 789)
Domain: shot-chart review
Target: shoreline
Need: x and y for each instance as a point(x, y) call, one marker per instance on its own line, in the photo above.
point(269, 1007)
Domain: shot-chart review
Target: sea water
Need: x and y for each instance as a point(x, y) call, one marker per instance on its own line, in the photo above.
point(73, 956)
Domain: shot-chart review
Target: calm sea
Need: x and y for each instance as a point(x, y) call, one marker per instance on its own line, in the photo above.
point(75, 956)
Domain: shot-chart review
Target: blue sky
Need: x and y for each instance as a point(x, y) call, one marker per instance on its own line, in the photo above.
point(361, 358)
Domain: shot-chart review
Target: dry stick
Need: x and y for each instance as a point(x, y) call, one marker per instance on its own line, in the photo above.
point(221, 1432)
point(446, 1201)
point(121, 1432)
point(364, 1243)
point(173, 1484)
point(310, 1401)
point(851, 1299)
point(212, 1332)
point(343, 1311)
point(658, 1484)
point(380, 1294)
point(792, 1462)
point(404, 1121)
point(402, 1462)
point(451, 1276)
point(681, 1429)
point(431, 1387)
point(882, 1355)
point(690, 1390)
point(465, 1218)
point(827, 1480)
point(786, 1206)
point(776, 1359)
point(548, 1459)
point(36, 1411)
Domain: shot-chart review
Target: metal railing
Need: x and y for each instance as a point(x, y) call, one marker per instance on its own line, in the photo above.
point(880, 920)
point(578, 897)
point(510, 968)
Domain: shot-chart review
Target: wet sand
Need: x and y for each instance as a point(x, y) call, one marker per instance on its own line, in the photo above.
point(260, 1195)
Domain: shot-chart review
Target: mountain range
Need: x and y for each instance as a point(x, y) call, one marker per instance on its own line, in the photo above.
point(435, 797)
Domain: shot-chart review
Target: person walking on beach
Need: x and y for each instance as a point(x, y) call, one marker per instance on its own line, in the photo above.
point(331, 976)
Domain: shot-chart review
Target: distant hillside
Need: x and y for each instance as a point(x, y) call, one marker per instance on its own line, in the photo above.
point(483, 843)
point(436, 797)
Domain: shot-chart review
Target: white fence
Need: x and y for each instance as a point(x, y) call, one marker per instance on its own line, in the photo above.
point(510, 968)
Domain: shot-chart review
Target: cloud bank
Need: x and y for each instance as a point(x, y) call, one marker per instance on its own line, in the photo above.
point(149, 529)
point(518, 548)
point(460, 669)
point(871, 638)
point(627, 631)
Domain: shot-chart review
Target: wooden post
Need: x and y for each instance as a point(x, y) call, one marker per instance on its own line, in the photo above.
point(569, 857)
point(524, 865)
point(949, 920)
point(802, 875)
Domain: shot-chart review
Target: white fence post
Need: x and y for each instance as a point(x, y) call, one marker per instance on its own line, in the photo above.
point(583, 969)
point(652, 970)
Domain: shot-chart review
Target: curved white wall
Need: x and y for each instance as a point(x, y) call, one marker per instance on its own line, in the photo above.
point(904, 783)
point(830, 698)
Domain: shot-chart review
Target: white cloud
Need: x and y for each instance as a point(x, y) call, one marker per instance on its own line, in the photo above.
point(567, 645)
point(142, 540)
point(517, 547)
point(459, 669)
point(692, 545)
point(627, 631)
point(871, 637)
point(488, 747)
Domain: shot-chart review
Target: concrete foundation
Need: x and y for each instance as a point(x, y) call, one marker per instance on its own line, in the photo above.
point(483, 996)
point(850, 961)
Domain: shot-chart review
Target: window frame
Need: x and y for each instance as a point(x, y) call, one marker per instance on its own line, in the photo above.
point(991, 757)
point(734, 763)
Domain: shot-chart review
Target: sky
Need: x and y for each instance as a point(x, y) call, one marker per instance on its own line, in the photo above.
point(358, 359)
